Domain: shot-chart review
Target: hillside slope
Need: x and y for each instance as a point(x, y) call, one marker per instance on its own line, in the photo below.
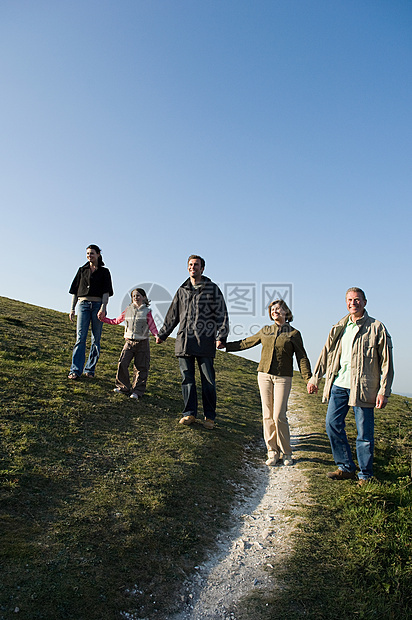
point(102, 495)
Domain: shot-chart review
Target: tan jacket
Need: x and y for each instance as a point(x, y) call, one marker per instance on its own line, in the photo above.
point(371, 364)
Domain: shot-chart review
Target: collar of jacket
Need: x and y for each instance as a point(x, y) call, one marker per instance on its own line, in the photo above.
point(359, 322)
point(187, 283)
point(87, 266)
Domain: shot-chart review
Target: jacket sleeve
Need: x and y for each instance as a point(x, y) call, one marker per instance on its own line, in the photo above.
point(151, 323)
point(321, 364)
point(75, 284)
point(246, 343)
point(222, 318)
point(171, 319)
point(302, 358)
point(117, 321)
point(386, 359)
point(107, 285)
point(325, 356)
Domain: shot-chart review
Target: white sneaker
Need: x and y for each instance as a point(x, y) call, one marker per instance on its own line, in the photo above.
point(117, 390)
point(134, 396)
point(273, 458)
point(287, 459)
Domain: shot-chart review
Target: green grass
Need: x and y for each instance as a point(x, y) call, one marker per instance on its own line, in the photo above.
point(107, 504)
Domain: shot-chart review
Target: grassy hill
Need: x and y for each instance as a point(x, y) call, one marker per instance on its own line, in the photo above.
point(102, 495)
point(107, 504)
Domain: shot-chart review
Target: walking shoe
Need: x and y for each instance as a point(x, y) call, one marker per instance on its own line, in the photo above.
point(72, 375)
point(341, 475)
point(273, 458)
point(208, 423)
point(363, 481)
point(117, 390)
point(134, 396)
point(287, 459)
point(187, 420)
point(89, 375)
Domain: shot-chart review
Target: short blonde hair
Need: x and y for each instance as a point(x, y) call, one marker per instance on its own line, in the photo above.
point(284, 306)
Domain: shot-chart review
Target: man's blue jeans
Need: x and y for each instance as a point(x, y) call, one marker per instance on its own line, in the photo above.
point(86, 315)
point(207, 376)
point(335, 427)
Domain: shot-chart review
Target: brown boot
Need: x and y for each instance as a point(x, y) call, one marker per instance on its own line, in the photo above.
point(341, 475)
point(363, 481)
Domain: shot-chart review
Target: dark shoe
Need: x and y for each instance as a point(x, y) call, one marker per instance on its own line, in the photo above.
point(89, 375)
point(72, 375)
point(341, 475)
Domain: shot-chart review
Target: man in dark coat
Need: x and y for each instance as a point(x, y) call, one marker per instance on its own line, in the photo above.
point(199, 309)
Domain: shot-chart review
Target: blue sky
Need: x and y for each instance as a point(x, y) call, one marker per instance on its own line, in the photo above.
point(271, 137)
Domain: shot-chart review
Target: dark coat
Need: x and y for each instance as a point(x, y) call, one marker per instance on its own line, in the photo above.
point(88, 284)
point(202, 317)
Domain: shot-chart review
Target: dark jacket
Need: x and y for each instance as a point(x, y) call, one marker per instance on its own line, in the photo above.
point(202, 318)
point(278, 347)
point(88, 284)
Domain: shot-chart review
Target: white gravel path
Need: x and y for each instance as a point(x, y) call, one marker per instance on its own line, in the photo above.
point(258, 540)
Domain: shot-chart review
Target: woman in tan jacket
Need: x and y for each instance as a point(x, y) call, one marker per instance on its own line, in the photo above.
point(280, 342)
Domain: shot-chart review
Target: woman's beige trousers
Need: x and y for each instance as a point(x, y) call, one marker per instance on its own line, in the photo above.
point(274, 393)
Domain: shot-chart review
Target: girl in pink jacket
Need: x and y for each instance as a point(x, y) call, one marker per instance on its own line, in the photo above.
point(138, 322)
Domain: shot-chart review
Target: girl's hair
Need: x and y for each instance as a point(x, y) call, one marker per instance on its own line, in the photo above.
point(284, 306)
point(98, 251)
point(142, 293)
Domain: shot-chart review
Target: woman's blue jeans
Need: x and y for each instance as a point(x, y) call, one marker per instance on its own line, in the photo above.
point(86, 315)
point(335, 427)
point(189, 392)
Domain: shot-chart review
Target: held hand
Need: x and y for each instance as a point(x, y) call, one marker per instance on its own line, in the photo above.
point(72, 314)
point(381, 401)
point(101, 315)
point(312, 389)
point(158, 340)
point(220, 345)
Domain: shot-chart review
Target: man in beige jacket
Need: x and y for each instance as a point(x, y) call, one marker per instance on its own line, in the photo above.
point(358, 366)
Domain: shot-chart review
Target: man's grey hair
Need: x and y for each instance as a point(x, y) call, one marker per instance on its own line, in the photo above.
point(355, 289)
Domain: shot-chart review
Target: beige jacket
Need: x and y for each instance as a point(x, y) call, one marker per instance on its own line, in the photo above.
point(371, 365)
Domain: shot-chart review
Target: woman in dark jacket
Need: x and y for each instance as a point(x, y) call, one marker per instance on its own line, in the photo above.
point(91, 288)
point(280, 342)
